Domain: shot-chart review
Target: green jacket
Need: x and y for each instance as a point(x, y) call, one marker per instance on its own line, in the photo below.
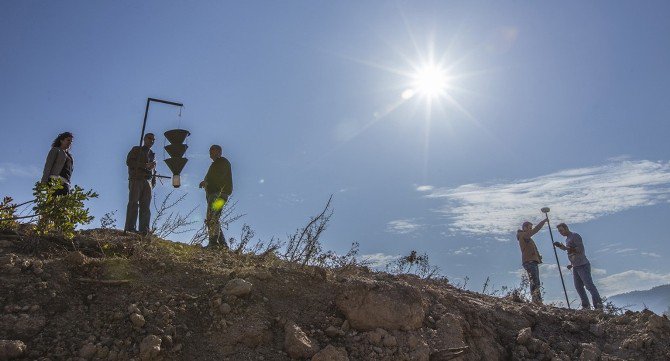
point(219, 178)
point(137, 160)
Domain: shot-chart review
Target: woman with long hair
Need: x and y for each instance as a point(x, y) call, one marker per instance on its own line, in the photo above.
point(60, 163)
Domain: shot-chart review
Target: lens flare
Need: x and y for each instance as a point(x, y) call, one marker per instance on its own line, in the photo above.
point(218, 204)
point(430, 80)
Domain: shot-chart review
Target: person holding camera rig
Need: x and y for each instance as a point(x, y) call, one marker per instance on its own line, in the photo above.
point(141, 163)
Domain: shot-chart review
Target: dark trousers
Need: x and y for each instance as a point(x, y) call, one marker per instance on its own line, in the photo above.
point(534, 277)
point(581, 275)
point(215, 203)
point(139, 197)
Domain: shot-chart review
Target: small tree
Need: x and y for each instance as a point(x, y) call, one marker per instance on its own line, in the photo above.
point(7, 221)
point(60, 214)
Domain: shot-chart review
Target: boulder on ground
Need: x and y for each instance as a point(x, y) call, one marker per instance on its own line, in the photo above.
point(237, 287)
point(368, 306)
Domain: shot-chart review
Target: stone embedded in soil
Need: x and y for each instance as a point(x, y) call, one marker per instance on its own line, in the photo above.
point(11, 349)
point(590, 352)
point(88, 351)
point(150, 347)
point(75, 259)
point(137, 320)
point(297, 344)
point(224, 308)
point(524, 336)
point(237, 287)
point(333, 331)
point(331, 353)
point(390, 341)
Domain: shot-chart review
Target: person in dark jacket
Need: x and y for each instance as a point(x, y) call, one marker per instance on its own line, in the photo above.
point(60, 163)
point(218, 184)
point(141, 163)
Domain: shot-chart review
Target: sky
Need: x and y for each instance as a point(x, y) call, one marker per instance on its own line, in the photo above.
point(536, 104)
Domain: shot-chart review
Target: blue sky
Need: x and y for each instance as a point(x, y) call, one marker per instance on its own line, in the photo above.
point(560, 106)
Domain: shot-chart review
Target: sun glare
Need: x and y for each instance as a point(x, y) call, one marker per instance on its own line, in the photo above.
point(430, 81)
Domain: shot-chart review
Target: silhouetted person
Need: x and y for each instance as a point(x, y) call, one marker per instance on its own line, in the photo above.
point(581, 267)
point(59, 163)
point(218, 186)
point(530, 257)
point(141, 162)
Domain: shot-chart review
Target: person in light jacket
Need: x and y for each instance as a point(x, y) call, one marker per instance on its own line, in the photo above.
point(60, 163)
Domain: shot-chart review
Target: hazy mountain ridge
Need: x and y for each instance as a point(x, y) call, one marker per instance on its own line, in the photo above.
point(656, 299)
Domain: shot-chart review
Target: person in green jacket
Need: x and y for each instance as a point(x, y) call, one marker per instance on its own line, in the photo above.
point(218, 184)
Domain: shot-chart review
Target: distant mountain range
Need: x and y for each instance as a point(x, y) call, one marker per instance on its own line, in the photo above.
point(656, 299)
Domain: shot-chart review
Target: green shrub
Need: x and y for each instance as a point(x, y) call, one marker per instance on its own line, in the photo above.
point(60, 214)
point(7, 209)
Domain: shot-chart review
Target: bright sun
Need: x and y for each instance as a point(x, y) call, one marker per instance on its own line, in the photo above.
point(430, 81)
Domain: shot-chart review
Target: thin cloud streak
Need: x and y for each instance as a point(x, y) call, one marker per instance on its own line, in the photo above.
point(402, 226)
point(8, 170)
point(379, 260)
point(574, 195)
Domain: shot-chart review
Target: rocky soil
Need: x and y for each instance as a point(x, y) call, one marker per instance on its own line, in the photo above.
point(109, 296)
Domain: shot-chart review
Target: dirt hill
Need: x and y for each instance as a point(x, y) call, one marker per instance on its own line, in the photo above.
point(109, 296)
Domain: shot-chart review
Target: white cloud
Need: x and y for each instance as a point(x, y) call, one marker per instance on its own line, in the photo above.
point(574, 195)
point(379, 260)
point(425, 188)
point(651, 254)
point(630, 280)
point(463, 251)
point(10, 170)
point(598, 271)
point(402, 226)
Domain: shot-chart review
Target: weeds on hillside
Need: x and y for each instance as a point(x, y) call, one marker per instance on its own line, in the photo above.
point(168, 221)
point(245, 245)
point(304, 246)
point(108, 220)
point(614, 310)
point(413, 263)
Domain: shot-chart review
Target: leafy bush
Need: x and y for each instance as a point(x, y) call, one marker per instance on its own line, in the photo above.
point(7, 223)
point(60, 214)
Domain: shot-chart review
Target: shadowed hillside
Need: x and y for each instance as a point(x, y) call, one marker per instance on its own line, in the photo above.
point(109, 296)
